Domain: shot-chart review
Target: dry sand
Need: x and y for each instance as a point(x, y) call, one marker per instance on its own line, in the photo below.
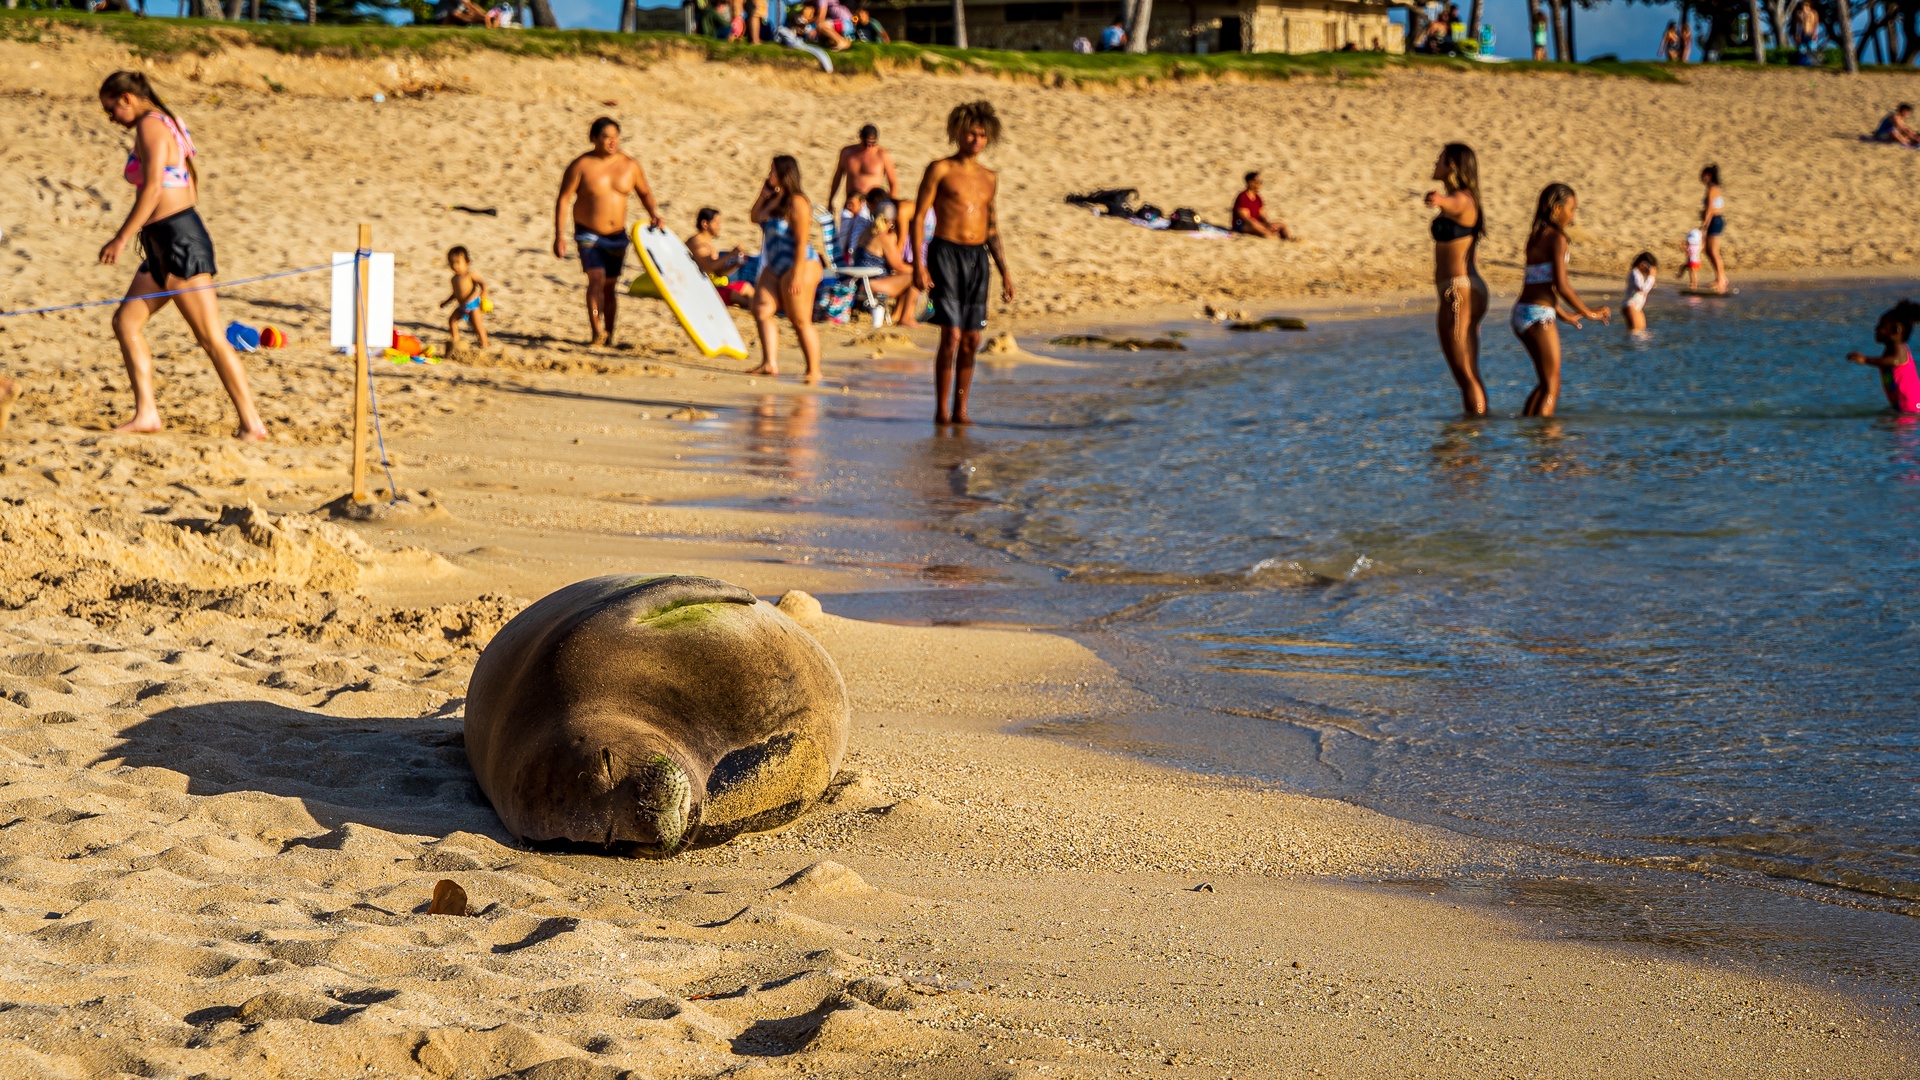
point(230, 760)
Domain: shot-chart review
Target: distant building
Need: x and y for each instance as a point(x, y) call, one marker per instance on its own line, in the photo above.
point(1179, 26)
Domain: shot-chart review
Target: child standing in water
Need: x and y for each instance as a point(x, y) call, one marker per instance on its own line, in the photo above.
point(1695, 242)
point(1639, 287)
point(1897, 375)
point(959, 192)
point(469, 299)
point(1536, 312)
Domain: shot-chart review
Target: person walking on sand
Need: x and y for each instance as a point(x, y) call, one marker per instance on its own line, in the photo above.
point(1250, 213)
point(597, 184)
point(179, 253)
point(1536, 312)
point(1670, 43)
point(790, 268)
point(1463, 294)
point(863, 166)
point(959, 192)
point(467, 292)
point(1895, 362)
point(1713, 222)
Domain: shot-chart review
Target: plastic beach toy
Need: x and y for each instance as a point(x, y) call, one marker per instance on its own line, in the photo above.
point(243, 337)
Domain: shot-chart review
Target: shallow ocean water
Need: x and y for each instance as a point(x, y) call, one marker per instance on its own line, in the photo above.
point(1674, 625)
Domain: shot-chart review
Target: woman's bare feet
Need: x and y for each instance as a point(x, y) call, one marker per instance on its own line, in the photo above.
point(141, 424)
point(251, 435)
point(764, 370)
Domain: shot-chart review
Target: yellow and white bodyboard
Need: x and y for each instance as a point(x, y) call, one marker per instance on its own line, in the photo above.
point(689, 292)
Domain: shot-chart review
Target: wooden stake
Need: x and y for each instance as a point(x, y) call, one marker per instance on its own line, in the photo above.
point(362, 272)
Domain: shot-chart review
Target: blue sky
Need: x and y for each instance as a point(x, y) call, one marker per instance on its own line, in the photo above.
point(1632, 31)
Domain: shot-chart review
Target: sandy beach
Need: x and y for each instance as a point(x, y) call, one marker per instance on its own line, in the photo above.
point(230, 725)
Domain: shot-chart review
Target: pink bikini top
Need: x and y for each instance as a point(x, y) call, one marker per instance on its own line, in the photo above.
point(171, 176)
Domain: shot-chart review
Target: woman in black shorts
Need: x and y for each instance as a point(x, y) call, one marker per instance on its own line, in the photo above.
point(179, 253)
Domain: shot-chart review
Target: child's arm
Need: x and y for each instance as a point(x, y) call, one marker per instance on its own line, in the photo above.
point(1564, 288)
point(1892, 358)
point(453, 296)
point(480, 283)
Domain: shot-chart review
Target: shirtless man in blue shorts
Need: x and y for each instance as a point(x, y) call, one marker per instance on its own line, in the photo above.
point(598, 184)
point(960, 192)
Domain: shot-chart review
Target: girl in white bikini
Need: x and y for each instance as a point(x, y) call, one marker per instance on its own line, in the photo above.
point(1534, 314)
point(1463, 295)
point(179, 253)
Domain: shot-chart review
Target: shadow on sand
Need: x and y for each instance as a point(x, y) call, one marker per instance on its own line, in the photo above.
point(401, 774)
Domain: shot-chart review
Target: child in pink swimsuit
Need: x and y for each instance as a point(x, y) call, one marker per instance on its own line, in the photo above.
point(1897, 374)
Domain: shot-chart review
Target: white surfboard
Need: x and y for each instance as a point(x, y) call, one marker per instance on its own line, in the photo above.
point(688, 292)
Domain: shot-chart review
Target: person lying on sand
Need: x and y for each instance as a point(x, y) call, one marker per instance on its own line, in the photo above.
point(469, 297)
point(959, 192)
point(729, 266)
point(1250, 213)
point(1894, 128)
point(1895, 362)
point(598, 184)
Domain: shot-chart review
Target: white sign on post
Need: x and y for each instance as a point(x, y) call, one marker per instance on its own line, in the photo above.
point(379, 271)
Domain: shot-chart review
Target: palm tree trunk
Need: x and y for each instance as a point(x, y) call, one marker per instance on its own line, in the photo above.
point(959, 23)
point(1141, 24)
point(629, 16)
point(1754, 32)
point(1573, 49)
point(235, 9)
point(1473, 20)
point(543, 15)
point(1847, 51)
point(313, 12)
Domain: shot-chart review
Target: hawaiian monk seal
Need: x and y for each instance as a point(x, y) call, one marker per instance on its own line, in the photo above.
point(653, 714)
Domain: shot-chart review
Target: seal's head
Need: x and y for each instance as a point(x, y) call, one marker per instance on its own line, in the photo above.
point(650, 714)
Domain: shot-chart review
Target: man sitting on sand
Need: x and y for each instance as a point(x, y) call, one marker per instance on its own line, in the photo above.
point(598, 184)
point(959, 191)
point(1250, 213)
point(1896, 129)
point(865, 165)
point(704, 246)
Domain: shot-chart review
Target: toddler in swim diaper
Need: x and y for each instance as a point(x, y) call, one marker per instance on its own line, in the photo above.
point(1695, 243)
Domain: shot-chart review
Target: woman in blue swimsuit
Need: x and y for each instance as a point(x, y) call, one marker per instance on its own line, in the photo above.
point(790, 268)
point(1536, 312)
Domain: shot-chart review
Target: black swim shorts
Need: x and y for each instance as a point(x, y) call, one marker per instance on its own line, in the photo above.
point(177, 246)
point(599, 252)
point(961, 274)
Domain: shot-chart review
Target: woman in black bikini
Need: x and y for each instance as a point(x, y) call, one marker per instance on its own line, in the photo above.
point(179, 253)
point(1463, 294)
